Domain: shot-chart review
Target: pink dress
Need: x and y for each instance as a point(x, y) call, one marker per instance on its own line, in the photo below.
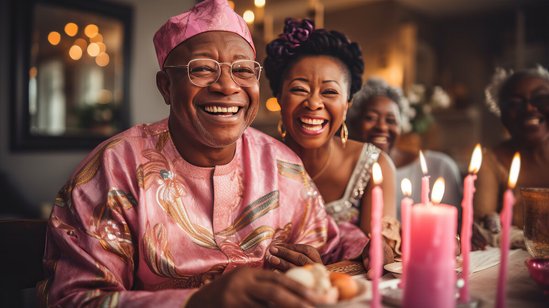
point(135, 218)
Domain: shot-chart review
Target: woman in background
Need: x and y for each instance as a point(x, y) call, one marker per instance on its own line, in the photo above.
point(521, 100)
point(314, 74)
point(376, 117)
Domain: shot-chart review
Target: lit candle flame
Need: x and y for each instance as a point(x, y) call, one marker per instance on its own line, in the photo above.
point(515, 169)
point(406, 187)
point(476, 160)
point(423, 163)
point(376, 174)
point(438, 190)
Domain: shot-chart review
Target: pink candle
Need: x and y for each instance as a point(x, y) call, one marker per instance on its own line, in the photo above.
point(467, 220)
point(405, 208)
point(376, 248)
point(431, 275)
point(424, 179)
point(506, 218)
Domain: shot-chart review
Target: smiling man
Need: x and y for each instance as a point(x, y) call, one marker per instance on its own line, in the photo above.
point(191, 209)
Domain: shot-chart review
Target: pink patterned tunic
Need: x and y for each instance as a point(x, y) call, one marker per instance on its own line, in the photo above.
point(135, 218)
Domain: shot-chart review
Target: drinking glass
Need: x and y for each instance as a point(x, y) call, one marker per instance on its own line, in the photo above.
point(535, 205)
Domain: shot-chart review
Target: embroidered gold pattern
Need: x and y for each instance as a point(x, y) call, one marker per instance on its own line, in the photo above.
point(253, 211)
point(109, 227)
point(257, 236)
point(168, 196)
point(157, 253)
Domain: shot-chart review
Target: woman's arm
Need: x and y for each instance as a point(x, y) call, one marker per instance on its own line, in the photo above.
point(389, 193)
point(487, 194)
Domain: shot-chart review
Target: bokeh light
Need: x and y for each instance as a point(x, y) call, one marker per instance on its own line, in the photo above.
point(80, 42)
point(71, 29)
point(75, 52)
point(93, 49)
point(102, 59)
point(97, 38)
point(54, 38)
point(91, 30)
point(272, 104)
point(102, 46)
point(33, 72)
point(248, 16)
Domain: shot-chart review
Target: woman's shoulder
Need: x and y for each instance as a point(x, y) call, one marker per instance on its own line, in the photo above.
point(357, 149)
point(440, 158)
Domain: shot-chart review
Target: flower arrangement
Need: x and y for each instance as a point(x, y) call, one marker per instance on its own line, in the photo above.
point(421, 102)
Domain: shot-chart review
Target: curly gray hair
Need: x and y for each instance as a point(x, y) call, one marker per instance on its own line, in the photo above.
point(502, 79)
point(378, 87)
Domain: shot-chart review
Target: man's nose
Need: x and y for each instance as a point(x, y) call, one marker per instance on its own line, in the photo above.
point(225, 83)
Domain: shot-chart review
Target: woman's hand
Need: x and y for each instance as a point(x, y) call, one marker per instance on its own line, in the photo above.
point(282, 256)
point(388, 257)
point(252, 287)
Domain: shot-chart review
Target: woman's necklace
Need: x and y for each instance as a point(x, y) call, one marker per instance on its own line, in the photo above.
point(319, 173)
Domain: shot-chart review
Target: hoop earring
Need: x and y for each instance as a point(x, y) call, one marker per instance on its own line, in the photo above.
point(344, 133)
point(280, 128)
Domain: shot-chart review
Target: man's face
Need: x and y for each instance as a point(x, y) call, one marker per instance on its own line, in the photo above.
point(214, 116)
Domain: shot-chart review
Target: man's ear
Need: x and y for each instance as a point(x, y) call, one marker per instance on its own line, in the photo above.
point(163, 85)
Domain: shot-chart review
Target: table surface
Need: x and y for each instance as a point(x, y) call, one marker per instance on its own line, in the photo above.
point(522, 291)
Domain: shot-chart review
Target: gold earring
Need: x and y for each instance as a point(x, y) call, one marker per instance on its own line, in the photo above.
point(344, 133)
point(280, 128)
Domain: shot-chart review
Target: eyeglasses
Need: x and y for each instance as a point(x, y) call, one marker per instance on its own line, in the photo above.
point(541, 102)
point(205, 72)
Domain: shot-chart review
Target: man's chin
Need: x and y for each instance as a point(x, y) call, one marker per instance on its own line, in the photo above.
point(224, 138)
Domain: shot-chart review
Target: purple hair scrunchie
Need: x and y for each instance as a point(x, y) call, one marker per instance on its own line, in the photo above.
point(297, 31)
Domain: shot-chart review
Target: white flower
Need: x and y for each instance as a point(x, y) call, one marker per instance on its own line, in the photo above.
point(416, 94)
point(440, 98)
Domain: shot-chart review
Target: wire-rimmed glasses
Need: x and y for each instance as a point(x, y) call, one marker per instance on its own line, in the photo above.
point(204, 72)
point(541, 102)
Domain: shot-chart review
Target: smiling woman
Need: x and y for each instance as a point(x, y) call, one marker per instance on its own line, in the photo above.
point(314, 73)
point(522, 100)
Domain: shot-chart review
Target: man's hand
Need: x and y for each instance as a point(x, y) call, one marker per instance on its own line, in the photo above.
point(252, 287)
point(283, 256)
point(388, 257)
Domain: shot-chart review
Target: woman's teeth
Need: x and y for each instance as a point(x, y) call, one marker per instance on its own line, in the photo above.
point(379, 140)
point(221, 110)
point(532, 121)
point(312, 124)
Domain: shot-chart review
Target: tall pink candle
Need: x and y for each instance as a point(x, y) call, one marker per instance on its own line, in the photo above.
point(506, 218)
point(405, 208)
point(424, 179)
point(467, 221)
point(376, 249)
point(431, 276)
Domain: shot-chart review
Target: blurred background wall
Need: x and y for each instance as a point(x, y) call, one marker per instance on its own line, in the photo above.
point(454, 44)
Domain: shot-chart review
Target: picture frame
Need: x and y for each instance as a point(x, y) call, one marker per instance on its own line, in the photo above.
point(65, 97)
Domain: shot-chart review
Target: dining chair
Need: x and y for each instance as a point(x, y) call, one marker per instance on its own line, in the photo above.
point(21, 250)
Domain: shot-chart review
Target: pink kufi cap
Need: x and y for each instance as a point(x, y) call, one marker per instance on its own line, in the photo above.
point(208, 15)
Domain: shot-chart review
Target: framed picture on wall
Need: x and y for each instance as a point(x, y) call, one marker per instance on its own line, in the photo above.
point(70, 73)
